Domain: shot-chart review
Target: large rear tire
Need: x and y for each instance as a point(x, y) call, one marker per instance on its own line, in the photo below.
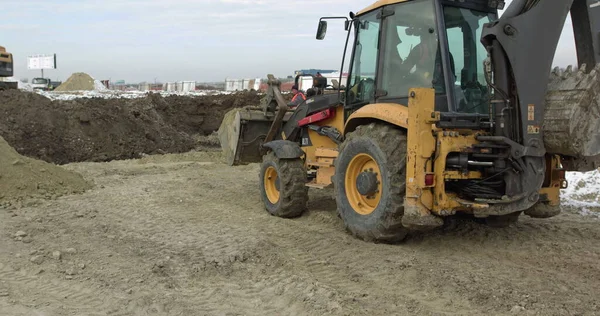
point(370, 182)
point(283, 186)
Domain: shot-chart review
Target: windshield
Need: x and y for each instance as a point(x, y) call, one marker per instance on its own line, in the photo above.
point(467, 55)
point(39, 80)
point(412, 58)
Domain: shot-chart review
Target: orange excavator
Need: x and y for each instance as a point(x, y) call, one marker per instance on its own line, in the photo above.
point(6, 70)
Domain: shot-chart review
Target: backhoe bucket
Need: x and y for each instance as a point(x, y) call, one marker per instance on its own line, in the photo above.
point(572, 120)
point(242, 133)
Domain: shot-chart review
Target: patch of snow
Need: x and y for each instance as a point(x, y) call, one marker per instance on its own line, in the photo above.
point(98, 86)
point(25, 86)
point(583, 192)
point(116, 94)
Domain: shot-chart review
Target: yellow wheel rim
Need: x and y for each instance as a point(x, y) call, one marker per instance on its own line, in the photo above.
point(271, 185)
point(362, 204)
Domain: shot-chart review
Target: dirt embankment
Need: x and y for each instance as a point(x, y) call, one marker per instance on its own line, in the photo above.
point(96, 129)
point(22, 178)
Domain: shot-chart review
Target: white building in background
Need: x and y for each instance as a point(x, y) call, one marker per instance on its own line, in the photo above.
point(242, 84)
point(180, 86)
point(185, 86)
point(170, 86)
point(306, 82)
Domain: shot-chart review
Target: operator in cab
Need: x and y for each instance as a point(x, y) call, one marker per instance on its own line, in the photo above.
point(298, 98)
point(422, 56)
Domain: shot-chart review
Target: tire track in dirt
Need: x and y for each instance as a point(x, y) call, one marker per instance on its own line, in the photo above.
point(221, 243)
point(324, 253)
point(69, 294)
point(227, 255)
point(314, 251)
point(312, 244)
point(526, 236)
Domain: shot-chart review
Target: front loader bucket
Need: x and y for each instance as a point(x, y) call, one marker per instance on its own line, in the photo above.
point(242, 134)
point(244, 130)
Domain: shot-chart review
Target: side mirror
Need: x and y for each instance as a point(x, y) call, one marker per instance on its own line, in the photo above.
point(347, 25)
point(321, 30)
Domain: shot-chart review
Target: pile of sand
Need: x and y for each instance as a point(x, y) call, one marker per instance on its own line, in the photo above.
point(22, 178)
point(78, 81)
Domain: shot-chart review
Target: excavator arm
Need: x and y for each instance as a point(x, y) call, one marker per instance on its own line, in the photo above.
point(531, 100)
point(547, 111)
point(585, 15)
point(522, 44)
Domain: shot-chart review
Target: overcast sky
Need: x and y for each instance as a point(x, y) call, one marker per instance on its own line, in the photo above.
point(202, 40)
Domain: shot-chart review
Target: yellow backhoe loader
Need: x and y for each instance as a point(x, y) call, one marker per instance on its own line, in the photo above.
point(6, 70)
point(448, 108)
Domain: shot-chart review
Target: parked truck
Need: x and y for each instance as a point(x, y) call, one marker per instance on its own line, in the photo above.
point(41, 84)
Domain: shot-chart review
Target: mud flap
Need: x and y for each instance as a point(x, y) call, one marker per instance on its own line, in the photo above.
point(285, 149)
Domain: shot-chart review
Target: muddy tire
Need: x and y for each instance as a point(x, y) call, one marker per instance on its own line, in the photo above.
point(283, 186)
point(370, 182)
point(502, 220)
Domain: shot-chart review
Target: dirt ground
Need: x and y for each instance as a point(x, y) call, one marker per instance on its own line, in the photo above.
point(183, 234)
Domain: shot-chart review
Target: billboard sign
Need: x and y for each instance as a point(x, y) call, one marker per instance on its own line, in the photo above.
point(41, 62)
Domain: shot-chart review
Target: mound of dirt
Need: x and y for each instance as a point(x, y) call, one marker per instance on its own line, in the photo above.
point(23, 177)
point(97, 129)
point(77, 82)
point(200, 114)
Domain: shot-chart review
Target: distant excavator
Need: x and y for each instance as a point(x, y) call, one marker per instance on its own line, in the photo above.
point(6, 70)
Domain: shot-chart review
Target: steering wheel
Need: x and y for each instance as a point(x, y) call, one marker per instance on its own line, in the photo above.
point(360, 90)
point(365, 88)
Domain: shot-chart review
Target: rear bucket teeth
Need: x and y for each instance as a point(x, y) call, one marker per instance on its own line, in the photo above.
point(568, 72)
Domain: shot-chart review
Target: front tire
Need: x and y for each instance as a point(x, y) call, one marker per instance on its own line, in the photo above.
point(283, 186)
point(370, 182)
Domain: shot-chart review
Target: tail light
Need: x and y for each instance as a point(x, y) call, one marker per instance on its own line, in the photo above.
point(429, 179)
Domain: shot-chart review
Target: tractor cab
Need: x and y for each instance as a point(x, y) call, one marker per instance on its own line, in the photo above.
point(399, 45)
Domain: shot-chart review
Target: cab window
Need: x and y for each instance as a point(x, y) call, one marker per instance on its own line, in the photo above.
point(364, 68)
point(412, 57)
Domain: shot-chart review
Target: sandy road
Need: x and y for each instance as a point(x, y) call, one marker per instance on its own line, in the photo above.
point(186, 235)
